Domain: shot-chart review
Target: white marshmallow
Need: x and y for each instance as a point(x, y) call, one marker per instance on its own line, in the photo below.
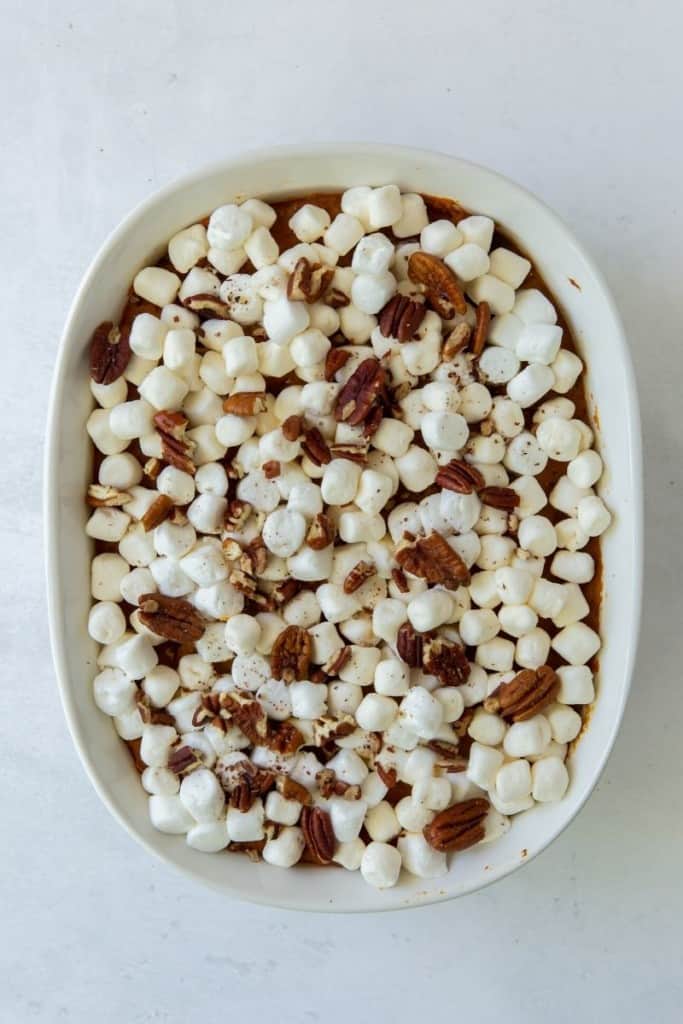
point(566, 496)
point(440, 237)
point(532, 307)
point(371, 292)
point(167, 814)
point(106, 622)
point(106, 572)
point(547, 599)
point(559, 438)
point(539, 343)
point(513, 781)
point(576, 644)
point(421, 712)
point(573, 566)
point(529, 738)
point(576, 685)
point(107, 524)
point(281, 810)
point(495, 551)
point(565, 723)
point(530, 384)
point(496, 655)
point(549, 779)
point(309, 222)
point(160, 685)
point(525, 456)
point(284, 531)
point(376, 712)
point(517, 619)
point(372, 255)
point(310, 565)
point(102, 436)
point(566, 367)
point(445, 430)
point(594, 517)
point(229, 227)
point(430, 609)
point(156, 744)
point(468, 261)
point(283, 319)
point(498, 365)
point(478, 626)
point(509, 267)
point(585, 469)
point(478, 230)
point(285, 849)
point(575, 606)
point(483, 765)
point(380, 865)
point(417, 469)
point(160, 781)
point(114, 692)
point(340, 482)
point(384, 206)
point(156, 285)
point(245, 826)
point(487, 728)
point(536, 534)
point(163, 389)
point(413, 217)
point(499, 296)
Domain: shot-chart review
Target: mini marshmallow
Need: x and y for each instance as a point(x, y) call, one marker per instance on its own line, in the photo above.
point(212, 372)
point(303, 610)
point(281, 810)
point(484, 590)
point(156, 285)
point(440, 238)
point(106, 623)
point(208, 837)
point(536, 534)
point(392, 677)
point(549, 779)
point(376, 712)
point(478, 230)
point(487, 728)
point(576, 644)
point(156, 744)
point(509, 267)
point(163, 389)
point(422, 712)
point(381, 822)
point(373, 255)
point(411, 815)
point(496, 655)
point(559, 438)
point(344, 698)
point(446, 430)
point(475, 402)
point(285, 849)
point(529, 738)
point(109, 395)
point(547, 599)
point(310, 565)
point(499, 296)
point(517, 619)
point(245, 826)
point(513, 781)
point(309, 222)
point(121, 471)
point(505, 331)
point(114, 692)
point(539, 343)
point(250, 671)
point(108, 524)
point(477, 627)
point(565, 723)
point(514, 585)
point(530, 384)
point(573, 566)
point(356, 326)
point(468, 261)
point(218, 601)
point(258, 491)
point(380, 865)
point(371, 292)
point(274, 694)
point(566, 367)
point(532, 497)
point(576, 685)
point(147, 335)
point(283, 319)
point(495, 551)
point(430, 609)
point(347, 817)
point(229, 227)
point(309, 700)
point(532, 307)
point(417, 469)
point(593, 516)
point(340, 482)
point(413, 217)
point(585, 469)
point(176, 485)
point(102, 436)
point(421, 859)
point(106, 572)
point(343, 233)
point(483, 764)
point(566, 496)
point(137, 546)
point(160, 685)
point(160, 781)
point(129, 725)
point(167, 814)
point(206, 513)
point(525, 456)
point(498, 365)
point(242, 633)
point(575, 606)
point(336, 605)
point(284, 531)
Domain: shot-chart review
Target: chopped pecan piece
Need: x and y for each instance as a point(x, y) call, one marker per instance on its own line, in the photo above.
point(245, 403)
point(434, 560)
point(159, 510)
point(271, 469)
point(358, 397)
point(152, 468)
point(448, 662)
point(449, 757)
point(207, 306)
point(401, 318)
point(284, 738)
point(292, 790)
point(101, 496)
point(315, 447)
point(285, 591)
point(481, 328)
point(441, 286)
point(409, 644)
point(387, 775)
point(308, 281)
point(459, 826)
point(171, 617)
point(500, 497)
point(334, 360)
point(399, 578)
point(457, 341)
point(109, 353)
point(291, 428)
point(291, 654)
point(360, 573)
point(320, 533)
point(254, 557)
point(336, 661)
point(357, 453)
point(336, 298)
point(236, 515)
point(318, 833)
point(242, 708)
point(243, 582)
point(329, 785)
point(460, 476)
point(241, 797)
point(524, 696)
point(184, 760)
point(176, 449)
point(328, 728)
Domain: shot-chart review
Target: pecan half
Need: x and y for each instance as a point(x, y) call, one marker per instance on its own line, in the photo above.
point(360, 573)
point(101, 496)
point(460, 476)
point(291, 654)
point(524, 696)
point(292, 790)
point(401, 317)
point(291, 428)
point(441, 286)
point(459, 826)
point(207, 306)
point(245, 403)
point(334, 360)
point(448, 662)
point(481, 328)
point(320, 533)
point(409, 644)
point(175, 447)
point(457, 341)
point(362, 390)
point(171, 617)
point(434, 560)
point(315, 447)
point(159, 510)
point(308, 281)
point(318, 833)
point(109, 353)
point(500, 497)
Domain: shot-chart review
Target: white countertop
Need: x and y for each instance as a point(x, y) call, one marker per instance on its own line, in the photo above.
point(104, 102)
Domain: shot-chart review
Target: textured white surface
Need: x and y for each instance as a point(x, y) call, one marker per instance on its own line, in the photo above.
point(581, 104)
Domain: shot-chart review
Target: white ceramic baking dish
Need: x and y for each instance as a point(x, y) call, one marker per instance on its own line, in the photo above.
point(139, 240)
